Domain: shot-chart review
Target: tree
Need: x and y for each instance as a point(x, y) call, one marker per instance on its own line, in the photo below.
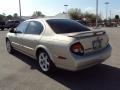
point(37, 14)
point(9, 17)
point(3, 14)
point(117, 17)
point(2, 17)
point(15, 16)
point(75, 14)
point(91, 17)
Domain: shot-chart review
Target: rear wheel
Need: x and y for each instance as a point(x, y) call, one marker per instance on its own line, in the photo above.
point(45, 63)
point(9, 47)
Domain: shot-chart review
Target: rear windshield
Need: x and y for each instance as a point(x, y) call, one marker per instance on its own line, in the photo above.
point(60, 26)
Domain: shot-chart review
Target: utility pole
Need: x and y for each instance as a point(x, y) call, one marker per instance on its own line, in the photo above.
point(20, 9)
point(96, 13)
point(110, 14)
point(66, 8)
point(106, 3)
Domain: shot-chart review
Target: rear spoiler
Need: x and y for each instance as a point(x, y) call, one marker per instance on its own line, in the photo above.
point(89, 34)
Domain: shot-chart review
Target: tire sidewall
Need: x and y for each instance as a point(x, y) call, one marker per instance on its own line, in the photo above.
point(11, 50)
point(51, 65)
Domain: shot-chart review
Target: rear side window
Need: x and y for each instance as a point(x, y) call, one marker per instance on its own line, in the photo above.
point(34, 27)
point(60, 26)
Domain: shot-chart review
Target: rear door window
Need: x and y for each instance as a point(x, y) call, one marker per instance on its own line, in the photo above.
point(34, 27)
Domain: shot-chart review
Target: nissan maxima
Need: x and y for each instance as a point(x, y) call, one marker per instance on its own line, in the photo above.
point(59, 43)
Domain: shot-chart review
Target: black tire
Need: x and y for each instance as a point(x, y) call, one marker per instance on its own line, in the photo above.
point(9, 47)
point(46, 66)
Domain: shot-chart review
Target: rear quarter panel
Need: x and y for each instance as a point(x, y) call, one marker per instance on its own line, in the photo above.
point(57, 46)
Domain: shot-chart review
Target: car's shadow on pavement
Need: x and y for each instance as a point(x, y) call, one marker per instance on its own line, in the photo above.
point(100, 77)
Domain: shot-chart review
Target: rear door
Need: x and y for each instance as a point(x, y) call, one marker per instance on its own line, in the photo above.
point(32, 37)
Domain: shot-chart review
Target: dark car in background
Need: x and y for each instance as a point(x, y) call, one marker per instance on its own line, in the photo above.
point(12, 24)
point(82, 22)
point(2, 25)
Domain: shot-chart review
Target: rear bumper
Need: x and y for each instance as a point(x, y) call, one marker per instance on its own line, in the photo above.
point(90, 60)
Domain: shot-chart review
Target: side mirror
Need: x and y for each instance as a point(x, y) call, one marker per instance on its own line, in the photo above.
point(12, 30)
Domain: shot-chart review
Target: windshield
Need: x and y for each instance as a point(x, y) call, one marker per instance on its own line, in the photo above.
point(60, 26)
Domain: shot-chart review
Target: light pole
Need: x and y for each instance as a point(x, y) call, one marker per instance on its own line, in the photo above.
point(106, 3)
point(66, 8)
point(20, 9)
point(110, 14)
point(97, 13)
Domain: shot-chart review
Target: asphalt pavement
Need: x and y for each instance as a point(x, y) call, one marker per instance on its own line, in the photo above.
point(19, 72)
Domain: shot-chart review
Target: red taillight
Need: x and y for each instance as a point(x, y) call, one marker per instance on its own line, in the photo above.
point(77, 48)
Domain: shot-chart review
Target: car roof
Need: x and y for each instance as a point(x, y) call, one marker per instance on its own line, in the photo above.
point(44, 19)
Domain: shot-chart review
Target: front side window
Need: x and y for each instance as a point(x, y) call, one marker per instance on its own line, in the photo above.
point(22, 27)
point(34, 27)
point(60, 26)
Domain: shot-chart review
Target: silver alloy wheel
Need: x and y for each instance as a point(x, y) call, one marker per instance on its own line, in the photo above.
point(8, 46)
point(44, 61)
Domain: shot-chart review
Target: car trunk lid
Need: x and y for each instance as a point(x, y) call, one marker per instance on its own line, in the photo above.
point(92, 41)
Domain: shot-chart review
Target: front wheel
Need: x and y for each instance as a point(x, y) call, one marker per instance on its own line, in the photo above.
point(45, 63)
point(9, 47)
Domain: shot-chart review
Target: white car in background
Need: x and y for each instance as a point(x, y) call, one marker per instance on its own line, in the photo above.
point(61, 43)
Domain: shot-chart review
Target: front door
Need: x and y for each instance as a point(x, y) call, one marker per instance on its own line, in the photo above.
point(18, 35)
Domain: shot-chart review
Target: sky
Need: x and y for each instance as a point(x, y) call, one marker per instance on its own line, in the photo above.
point(53, 7)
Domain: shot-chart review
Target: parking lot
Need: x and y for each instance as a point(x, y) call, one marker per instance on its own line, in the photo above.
point(19, 72)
